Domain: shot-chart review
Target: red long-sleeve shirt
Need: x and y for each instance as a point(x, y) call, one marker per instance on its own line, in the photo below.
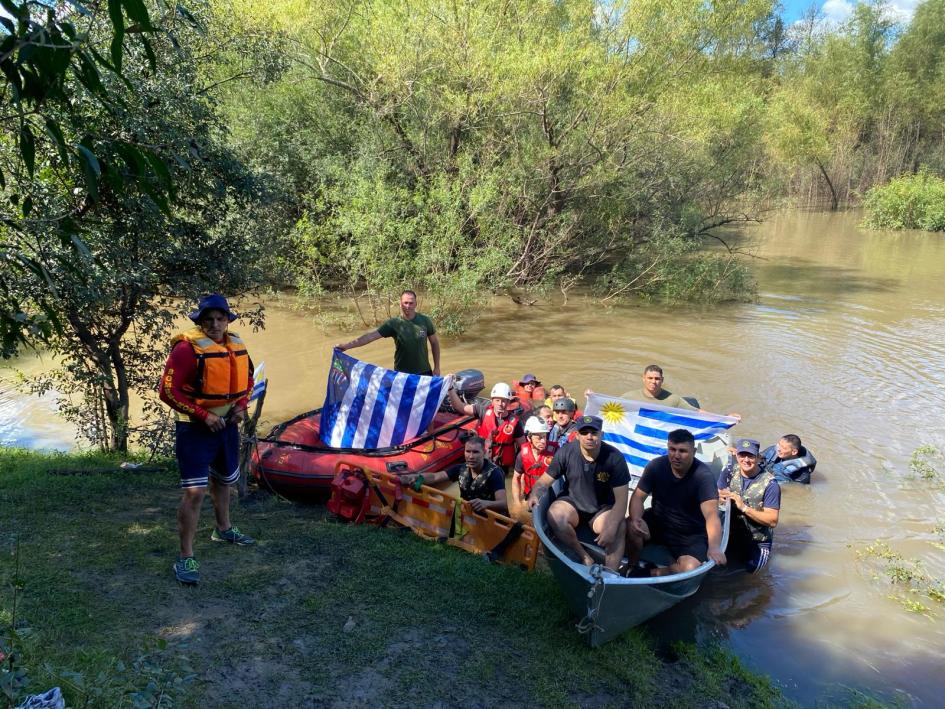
point(180, 370)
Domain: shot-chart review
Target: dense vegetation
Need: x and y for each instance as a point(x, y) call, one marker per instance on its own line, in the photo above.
point(150, 151)
point(907, 202)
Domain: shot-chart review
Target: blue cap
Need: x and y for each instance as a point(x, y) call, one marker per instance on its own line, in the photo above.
point(214, 301)
point(528, 378)
point(747, 445)
point(594, 422)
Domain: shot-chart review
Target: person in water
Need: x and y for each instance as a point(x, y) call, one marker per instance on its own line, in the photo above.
point(653, 391)
point(481, 482)
point(685, 512)
point(565, 428)
point(532, 462)
point(788, 460)
point(756, 502)
point(411, 332)
point(207, 382)
point(597, 480)
point(501, 429)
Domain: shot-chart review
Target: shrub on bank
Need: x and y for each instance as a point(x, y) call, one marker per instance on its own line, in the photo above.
point(907, 202)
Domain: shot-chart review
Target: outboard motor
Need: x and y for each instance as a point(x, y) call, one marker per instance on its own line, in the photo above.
point(468, 383)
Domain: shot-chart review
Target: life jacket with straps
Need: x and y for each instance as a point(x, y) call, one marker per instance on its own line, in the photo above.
point(476, 488)
point(796, 470)
point(534, 464)
point(222, 369)
point(753, 493)
point(501, 437)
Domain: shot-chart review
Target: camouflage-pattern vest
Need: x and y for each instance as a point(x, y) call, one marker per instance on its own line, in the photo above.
point(754, 496)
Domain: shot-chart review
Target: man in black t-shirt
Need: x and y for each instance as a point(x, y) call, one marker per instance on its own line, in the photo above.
point(597, 477)
point(685, 512)
point(481, 481)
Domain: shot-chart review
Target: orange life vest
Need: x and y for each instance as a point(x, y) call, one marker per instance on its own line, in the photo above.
point(535, 464)
point(538, 393)
point(222, 368)
point(502, 438)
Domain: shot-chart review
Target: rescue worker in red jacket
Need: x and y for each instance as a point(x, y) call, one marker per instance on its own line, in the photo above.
point(501, 429)
point(533, 460)
point(207, 381)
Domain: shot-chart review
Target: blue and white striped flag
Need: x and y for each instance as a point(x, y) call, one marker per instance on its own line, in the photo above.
point(367, 406)
point(638, 430)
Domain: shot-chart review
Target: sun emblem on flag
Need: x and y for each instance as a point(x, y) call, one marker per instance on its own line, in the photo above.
point(612, 412)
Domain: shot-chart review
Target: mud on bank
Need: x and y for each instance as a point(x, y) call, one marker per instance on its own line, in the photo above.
point(317, 614)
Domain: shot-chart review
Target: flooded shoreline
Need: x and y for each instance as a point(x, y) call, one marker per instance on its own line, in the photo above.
point(845, 346)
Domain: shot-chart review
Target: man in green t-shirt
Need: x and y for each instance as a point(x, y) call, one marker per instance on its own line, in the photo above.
point(653, 391)
point(411, 332)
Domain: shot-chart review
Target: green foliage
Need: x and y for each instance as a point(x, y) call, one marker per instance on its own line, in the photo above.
point(913, 586)
point(139, 255)
point(907, 202)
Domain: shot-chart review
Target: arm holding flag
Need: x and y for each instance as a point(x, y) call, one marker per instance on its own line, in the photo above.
point(364, 339)
point(713, 528)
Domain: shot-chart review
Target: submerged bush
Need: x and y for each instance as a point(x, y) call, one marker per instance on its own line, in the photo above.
point(907, 202)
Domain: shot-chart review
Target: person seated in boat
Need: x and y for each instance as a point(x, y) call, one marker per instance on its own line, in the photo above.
point(653, 391)
point(558, 392)
point(685, 512)
point(565, 428)
point(597, 477)
point(756, 501)
point(533, 460)
point(529, 391)
point(788, 460)
point(411, 332)
point(481, 482)
point(501, 429)
point(544, 413)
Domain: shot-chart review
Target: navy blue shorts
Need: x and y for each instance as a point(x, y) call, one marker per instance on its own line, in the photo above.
point(679, 544)
point(201, 453)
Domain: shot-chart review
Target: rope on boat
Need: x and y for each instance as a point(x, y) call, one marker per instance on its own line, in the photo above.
point(595, 597)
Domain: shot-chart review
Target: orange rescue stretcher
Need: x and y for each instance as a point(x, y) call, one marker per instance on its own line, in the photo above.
point(432, 514)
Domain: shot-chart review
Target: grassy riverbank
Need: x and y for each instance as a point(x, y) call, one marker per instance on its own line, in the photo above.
point(318, 612)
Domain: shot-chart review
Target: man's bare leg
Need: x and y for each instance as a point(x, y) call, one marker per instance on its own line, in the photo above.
point(188, 514)
point(614, 551)
point(682, 564)
point(564, 519)
point(220, 494)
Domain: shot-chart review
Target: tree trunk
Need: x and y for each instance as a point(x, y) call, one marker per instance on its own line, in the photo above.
point(834, 201)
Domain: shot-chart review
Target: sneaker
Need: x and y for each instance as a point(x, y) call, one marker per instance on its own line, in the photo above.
point(233, 536)
point(187, 571)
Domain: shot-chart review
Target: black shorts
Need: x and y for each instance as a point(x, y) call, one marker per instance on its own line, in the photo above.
point(584, 518)
point(695, 545)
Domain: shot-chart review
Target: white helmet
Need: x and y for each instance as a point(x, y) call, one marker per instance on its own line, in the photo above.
point(536, 425)
point(501, 391)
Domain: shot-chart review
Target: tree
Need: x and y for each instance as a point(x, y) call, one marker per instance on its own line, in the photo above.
point(138, 255)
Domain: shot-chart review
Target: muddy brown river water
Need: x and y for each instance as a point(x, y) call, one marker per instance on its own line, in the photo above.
point(845, 346)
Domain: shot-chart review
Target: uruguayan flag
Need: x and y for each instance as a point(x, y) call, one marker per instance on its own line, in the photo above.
point(638, 430)
point(371, 407)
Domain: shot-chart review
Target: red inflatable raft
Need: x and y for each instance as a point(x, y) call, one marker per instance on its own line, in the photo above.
point(292, 460)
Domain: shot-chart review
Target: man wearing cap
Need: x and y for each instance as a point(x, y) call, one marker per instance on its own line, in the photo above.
point(756, 502)
point(499, 427)
point(411, 332)
point(653, 391)
point(685, 512)
point(597, 477)
point(565, 429)
point(207, 381)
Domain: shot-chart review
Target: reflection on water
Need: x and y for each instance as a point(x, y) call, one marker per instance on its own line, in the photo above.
point(845, 346)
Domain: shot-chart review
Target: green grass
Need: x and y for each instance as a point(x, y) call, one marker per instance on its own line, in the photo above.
point(316, 612)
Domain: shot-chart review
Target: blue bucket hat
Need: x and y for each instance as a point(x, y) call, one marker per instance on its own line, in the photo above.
point(214, 301)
